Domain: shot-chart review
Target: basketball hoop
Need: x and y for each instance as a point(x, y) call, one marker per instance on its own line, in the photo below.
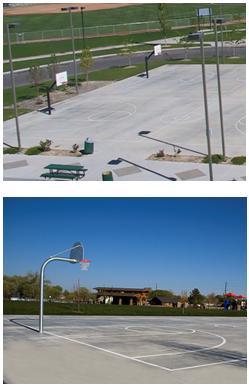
point(84, 264)
point(61, 79)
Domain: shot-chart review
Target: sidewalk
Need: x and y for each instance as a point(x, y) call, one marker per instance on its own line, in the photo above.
point(22, 167)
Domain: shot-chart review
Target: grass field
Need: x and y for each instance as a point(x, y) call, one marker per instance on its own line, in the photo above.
point(51, 47)
point(9, 113)
point(130, 14)
point(23, 307)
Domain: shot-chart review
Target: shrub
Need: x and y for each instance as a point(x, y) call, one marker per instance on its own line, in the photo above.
point(34, 150)
point(216, 159)
point(160, 153)
point(238, 160)
point(10, 151)
point(75, 148)
point(45, 145)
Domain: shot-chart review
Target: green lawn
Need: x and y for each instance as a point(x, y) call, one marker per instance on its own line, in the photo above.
point(135, 13)
point(9, 113)
point(28, 63)
point(51, 47)
point(230, 36)
point(30, 308)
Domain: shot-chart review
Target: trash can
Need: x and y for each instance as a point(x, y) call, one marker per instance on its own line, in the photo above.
point(107, 176)
point(89, 146)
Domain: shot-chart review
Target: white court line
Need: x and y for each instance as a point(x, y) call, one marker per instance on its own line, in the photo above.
point(138, 360)
point(111, 112)
point(156, 332)
point(191, 351)
point(106, 350)
point(240, 122)
point(209, 364)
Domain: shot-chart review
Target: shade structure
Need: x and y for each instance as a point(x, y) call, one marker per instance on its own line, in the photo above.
point(230, 294)
point(242, 297)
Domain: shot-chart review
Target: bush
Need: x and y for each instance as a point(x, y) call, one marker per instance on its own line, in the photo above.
point(75, 148)
point(34, 150)
point(10, 151)
point(216, 159)
point(238, 160)
point(160, 153)
point(45, 145)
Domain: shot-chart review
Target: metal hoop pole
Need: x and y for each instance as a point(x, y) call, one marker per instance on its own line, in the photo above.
point(42, 284)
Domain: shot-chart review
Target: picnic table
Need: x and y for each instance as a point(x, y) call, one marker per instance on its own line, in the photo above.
point(64, 172)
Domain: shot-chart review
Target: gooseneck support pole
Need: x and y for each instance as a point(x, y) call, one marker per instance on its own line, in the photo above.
point(48, 96)
point(146, 63)
point(42, 285)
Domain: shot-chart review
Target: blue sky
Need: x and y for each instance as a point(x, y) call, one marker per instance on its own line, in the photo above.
point(174, 243)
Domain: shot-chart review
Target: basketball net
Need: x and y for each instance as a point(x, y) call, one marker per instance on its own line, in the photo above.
point(84, 264)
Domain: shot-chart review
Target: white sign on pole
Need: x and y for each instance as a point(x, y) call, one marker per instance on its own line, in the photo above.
point(157, 49)
point(61, 78)
point(204, 12)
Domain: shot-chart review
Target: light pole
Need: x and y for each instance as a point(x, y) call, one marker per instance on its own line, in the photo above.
point(9, 26)
point(70, 9)
point(199, 36)
point(83, 26)
point(219, 21)
point(76, 255)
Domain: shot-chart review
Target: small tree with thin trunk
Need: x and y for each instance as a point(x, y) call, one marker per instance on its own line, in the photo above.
point(54, 66)
point(127, 51)
point(86, 62)
point(164, 19)
point(35, 76)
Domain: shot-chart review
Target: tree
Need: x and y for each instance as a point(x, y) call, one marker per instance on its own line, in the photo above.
point(127, 51)
point(163, 19)
point(53, 66)
point(211, 298)
point(53, 292)
point(86, 61)
point(196, 297)
point(161, 293)
point(183, 296)
point(35, 76)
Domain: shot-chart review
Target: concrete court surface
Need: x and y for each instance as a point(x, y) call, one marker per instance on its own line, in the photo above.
point(169, 105)
point(109, 349)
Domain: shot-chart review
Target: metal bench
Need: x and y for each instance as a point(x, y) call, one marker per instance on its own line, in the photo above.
point(63, 176)
point(65, 172)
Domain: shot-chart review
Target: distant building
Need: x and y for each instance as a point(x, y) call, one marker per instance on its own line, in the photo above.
point(122, 296)
point(164, 301)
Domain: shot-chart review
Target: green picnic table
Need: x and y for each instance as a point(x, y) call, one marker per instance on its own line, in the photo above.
point(64, 171)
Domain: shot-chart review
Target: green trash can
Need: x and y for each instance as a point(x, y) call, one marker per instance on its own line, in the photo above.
point(89, 146)
point(107, 176)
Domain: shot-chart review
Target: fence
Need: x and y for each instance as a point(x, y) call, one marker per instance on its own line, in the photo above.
point(114, 29)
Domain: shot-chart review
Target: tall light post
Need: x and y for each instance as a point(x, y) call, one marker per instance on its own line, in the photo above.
point(219, 21)
point(76, 255)
point(9, 26)
point(83, 26)
point(199, 37)
point(70, 9)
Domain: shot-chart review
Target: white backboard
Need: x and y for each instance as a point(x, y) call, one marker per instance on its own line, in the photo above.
point(204, 12)
point(61, 78)
point(157, 49)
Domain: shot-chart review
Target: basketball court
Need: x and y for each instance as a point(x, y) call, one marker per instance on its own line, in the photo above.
point(107, 349)
point(136, 117)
